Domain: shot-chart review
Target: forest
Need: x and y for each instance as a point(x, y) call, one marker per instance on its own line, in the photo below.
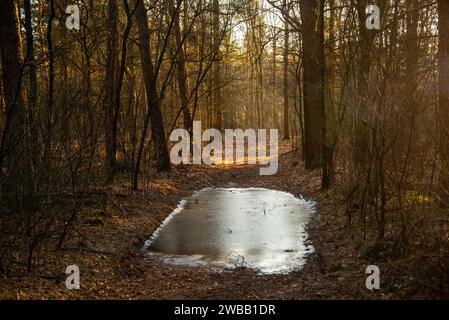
point(348, 100)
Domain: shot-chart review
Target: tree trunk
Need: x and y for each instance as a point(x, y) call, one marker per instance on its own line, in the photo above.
point(326, 157)
point(32, 94)
point(122, 69)
point(154, 114)
point(443, 106)
point(217, 65)
point(182, 70)
point(361, 136)
point(274, 80)
point(51, 83)
point(110, 85)
point(286, 109)
point(18, 183)
point(313, 56)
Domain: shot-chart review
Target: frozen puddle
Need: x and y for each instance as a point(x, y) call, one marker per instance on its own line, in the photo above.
point(256, 228)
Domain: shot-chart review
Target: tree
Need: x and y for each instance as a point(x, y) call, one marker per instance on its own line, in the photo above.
point(14, 147)
point(110, 90)
point(181, 66)
point(154, 114)
point(32, 74)
point(314, 67)
point(443, 104)
point(286, 83)
point(217, 38)
point(51, 83)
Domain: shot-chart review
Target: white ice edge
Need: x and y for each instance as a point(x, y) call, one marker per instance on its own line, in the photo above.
point(154, 236)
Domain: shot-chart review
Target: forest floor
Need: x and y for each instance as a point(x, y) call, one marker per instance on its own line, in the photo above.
point(107, 247)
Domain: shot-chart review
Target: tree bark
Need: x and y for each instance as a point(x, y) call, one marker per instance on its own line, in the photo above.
point(314, 64)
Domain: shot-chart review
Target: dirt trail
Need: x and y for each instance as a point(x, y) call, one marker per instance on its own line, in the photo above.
point(108, 248)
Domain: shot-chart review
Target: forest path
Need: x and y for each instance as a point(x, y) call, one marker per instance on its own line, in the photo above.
point(113, 265)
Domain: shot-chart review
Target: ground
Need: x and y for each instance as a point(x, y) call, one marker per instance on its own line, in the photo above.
point(107, 246)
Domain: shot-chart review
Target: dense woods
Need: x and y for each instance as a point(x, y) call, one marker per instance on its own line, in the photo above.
point(366, 109)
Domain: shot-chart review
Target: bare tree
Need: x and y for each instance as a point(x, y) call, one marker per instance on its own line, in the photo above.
point(314, 66)
point(443, 109)
point(182, 69)
point(110, 85)
point(18, 185)
point(217, 38)
point(286, 83)
point(154, 113)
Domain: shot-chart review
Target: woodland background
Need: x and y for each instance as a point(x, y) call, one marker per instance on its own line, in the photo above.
point(368, 110)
